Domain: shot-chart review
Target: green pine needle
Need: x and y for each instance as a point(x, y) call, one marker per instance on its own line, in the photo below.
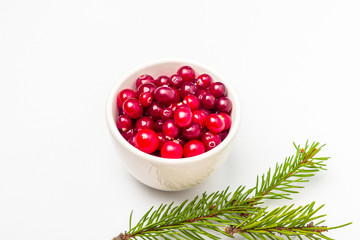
point(229, 213)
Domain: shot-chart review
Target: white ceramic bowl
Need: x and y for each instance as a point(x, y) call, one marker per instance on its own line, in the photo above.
point(161, 173)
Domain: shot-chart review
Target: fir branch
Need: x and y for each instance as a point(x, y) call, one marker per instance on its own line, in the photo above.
point(235, 212)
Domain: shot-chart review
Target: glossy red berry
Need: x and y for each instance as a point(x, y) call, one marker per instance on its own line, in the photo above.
point(223, 104)
point(165, 95)
point(132, 108)
point(192, 101)
point(145, 99)
point(183, 117)
point(208, 101)
point(200, 92)
point(170, 129)
point(144, 123)
point(129, 133)
point(144, 79)
point(146, 87)
point(210, 140)
point(162, 80)
point(203, 81)
point(131, 140)
point(162, 139)
point(158, 125)
point(193, 131)
point(171, 149)
point(227, 120)
point(199, 116)
point(218, 89)
point(187, 88)
point(123, 123)
point(193, 148)
point(146, 140)
point(176, 80)
point(124, 95)
point(187, 73)
point(215, 123)
point(166, 113)
point(154, 111)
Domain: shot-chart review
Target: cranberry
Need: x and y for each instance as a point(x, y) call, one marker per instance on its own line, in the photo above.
point(162, 80)
point(165, 95)
point(166, 113)
point(176, 80)
point(187, 73)
point(145, 99)
point(199, 116)
point(203, 81)
point(223, 104)
point(215, 123)
point(146, 87)
point(170, 129)
point(162, 139)
point(180, 140)
point(123, 123)
point(227, 120)
point(200, 92)
point(217, 89)
point(132, 108)
point(183, 117)
point(192, 132)
point(177, 94)
point(123, 95)
point(206, 111)
point(158, 125)
point(144, 79)
point(223, 134)
point(131, 140)
point(129, 133)
point(187, 88)
point(154, 111)
point(208, 101)
point(210, 140)
point(193, 148)
point(143, 123)
point(192, 101)
point(182, 105)
point(146, 140)
point(172, 149)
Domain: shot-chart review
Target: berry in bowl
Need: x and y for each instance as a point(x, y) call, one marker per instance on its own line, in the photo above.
point(172, 122)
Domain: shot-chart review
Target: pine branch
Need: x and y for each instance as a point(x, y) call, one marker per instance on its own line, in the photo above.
point(204, 215)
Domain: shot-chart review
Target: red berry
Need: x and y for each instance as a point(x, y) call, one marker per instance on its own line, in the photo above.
point(158, 125)
point(146, 87)
point(223, 104)
point(166, 113)
point(171, 149)
point(176, 80)
point(145, 99)
point(208, 101)
point(183, 117)
point(144, 79)
point(123, 123)
point(187, 88)
point(192, 101)
point(124, 95)
point(223, 134)
point(162, 140)
point(165, 95)
point(200, 92)
point(199, 116)
point(132, 108)
point(187, 73)
point(210, 140)
point(154, 111)
point(144, 123)
point(227, 120)
point(131, 140)
point(203, 81)
point(218, 89)
point(193, 148)
point(192, 132)
point(146, 140)
point(215, 123)
point(170, 129)
point(162, 80)
point(128, 134)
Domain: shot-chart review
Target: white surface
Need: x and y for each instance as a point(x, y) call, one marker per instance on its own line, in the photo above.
point(295, 65)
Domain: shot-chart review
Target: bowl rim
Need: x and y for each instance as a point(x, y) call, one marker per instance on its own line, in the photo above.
point(170, 161)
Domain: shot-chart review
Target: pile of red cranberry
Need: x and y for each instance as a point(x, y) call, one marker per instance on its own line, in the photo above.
point(174, 117)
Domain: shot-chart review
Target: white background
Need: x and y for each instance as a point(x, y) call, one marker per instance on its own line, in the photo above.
point(294, 64)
